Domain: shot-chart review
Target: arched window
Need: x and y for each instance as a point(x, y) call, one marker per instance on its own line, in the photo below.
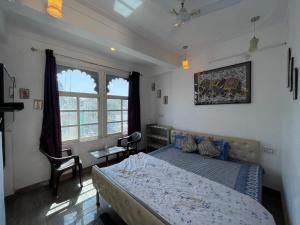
point(77, 80)
point(78, 99)
point(117, 104)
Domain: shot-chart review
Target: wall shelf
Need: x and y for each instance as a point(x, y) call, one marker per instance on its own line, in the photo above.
point(158, 136)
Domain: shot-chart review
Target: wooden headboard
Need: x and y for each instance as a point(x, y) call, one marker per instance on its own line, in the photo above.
point(239, 148)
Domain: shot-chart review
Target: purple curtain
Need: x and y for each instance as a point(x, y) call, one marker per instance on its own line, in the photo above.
point(50, 140)
point(134, 116)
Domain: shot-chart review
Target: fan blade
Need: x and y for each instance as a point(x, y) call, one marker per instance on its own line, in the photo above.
point(218, 5)
point(173, 12)
point(196, 13)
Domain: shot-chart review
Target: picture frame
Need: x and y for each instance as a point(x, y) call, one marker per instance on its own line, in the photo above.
point(295, 92)
point(24, 93)
point(153, 86)
point(292, 74)
point(158, 93)
point(225, 85)
point(289, 67)
point(166, 100)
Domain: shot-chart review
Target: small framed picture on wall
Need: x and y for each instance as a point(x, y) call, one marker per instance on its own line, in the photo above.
point(24, 93)
point(158, 93)
point(166, 100)
point(295, 92)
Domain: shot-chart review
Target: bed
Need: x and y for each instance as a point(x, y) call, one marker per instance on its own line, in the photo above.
point(241, 177)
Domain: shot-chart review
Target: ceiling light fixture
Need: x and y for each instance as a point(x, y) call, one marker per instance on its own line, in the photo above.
point(113, 49)
point(55, 8)
point(185, 62)
point(254, 41)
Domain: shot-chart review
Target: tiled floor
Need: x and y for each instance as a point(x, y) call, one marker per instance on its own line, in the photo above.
point(73, 206)
point(78, 206)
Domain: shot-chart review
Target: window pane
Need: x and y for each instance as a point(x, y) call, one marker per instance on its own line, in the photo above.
point(77, 80)
point(113, 104)
point(113, 128)
point(67, 103)
point(68, 118)
point(125, 115)
point(88, 117)
point(88, 131)
point(125, 104)
point(88, 103)
point(113, 116)
point(116, 86)
point(125, 127)
point(69, 133)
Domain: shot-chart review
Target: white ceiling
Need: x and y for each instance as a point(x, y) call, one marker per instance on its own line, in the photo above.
point(153, 20)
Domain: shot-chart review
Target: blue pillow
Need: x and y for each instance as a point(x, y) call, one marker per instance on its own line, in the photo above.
point(199, 139)
point(178, 140)
point(222, 146)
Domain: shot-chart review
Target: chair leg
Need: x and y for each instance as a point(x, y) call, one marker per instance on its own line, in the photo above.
point(57, 177)
point(80, 173)
point(74, 171)
point(51, 181)
point(97, 199)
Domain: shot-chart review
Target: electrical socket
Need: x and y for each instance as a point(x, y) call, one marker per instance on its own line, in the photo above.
point(268, 150)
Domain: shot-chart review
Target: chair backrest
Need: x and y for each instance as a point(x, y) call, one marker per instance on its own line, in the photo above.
point(136, 136)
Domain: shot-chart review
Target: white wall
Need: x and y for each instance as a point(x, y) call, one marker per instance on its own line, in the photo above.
point(28, 165)
point(291, 128)
point(261, 120)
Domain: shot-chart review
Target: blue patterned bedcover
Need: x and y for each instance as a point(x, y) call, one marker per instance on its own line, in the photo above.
point(241, 176)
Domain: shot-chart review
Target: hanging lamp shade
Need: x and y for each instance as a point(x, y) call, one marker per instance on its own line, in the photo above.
point(55, 8)
point(185, 64)
point(254, 41)
point(253, 44)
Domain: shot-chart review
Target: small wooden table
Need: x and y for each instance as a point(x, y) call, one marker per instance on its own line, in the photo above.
point(106, 152)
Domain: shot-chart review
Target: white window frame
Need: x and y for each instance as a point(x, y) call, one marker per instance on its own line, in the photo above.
point(117, 110)
point(102, 101)
point(106, 110)
point(84, 95)
point(79, 95)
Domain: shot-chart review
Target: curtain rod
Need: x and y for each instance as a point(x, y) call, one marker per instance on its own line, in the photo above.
point(33, 49)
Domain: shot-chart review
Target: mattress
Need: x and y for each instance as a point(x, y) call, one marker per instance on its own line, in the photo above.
point(149, 191)
point(241, 176)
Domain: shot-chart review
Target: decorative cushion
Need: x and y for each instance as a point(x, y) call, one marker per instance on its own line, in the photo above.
point(178, 140)
point(207, 148)
point(199, 139)
point(189, 144)
point(222, 147)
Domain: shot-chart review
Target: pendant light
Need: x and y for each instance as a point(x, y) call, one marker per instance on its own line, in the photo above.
point(254, 41)
point(55, 8)
point(185, 62)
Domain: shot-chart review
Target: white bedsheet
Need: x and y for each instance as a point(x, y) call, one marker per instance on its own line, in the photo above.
point(181, 197)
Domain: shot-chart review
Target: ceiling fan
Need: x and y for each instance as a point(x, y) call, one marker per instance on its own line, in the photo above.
point(183, 15)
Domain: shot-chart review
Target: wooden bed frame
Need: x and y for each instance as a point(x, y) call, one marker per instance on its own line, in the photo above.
point(132, 212)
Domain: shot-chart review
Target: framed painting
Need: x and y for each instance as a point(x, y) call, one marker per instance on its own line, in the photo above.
point(226, 85)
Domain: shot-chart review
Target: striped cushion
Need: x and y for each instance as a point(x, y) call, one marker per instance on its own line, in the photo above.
point(189, 144)
point(206, 148)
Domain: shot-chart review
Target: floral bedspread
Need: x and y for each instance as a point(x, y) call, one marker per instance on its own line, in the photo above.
point(181, 197)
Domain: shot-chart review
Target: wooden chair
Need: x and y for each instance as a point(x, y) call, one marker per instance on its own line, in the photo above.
point(130, 142)
point(61, 165)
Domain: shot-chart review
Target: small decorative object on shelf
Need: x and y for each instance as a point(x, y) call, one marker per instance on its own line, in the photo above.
point(158, 136)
